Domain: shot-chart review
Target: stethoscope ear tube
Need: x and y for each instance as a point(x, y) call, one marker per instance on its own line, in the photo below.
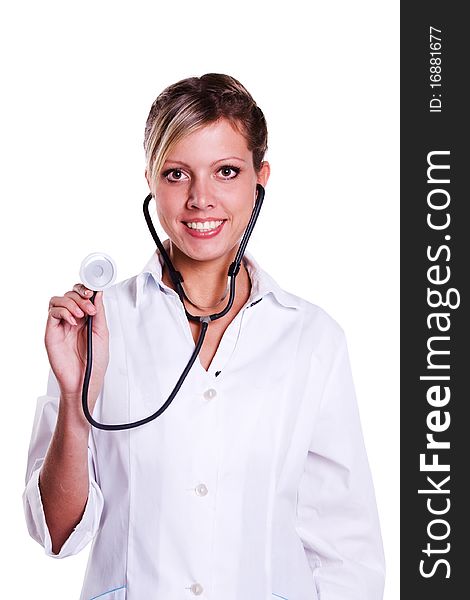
point(175, 275)
point(249, 229)
point(204, 320)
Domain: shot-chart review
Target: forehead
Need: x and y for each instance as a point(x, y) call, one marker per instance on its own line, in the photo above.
point(211, 142)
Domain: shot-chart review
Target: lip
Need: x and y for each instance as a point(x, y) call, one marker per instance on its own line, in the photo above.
point(199, 233)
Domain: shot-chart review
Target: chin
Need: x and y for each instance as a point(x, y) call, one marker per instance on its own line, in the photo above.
point(209, 254)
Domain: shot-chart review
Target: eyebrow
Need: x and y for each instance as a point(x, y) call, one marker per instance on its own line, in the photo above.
point(227, 158)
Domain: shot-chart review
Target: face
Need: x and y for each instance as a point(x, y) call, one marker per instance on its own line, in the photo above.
point(205, 192)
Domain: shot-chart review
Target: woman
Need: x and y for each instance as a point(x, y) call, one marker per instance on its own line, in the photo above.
point(254, 483)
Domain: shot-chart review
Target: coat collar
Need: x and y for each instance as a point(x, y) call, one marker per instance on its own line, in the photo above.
point(262, 284)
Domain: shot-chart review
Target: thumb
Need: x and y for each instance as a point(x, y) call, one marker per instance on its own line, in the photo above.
point(99, 320)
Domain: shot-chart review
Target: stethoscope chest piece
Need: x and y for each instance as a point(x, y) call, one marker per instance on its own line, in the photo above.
point(98, 271)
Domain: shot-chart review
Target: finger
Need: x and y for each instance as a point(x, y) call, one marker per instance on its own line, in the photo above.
point(61, 314)
point(66, 302)
point(82, 290)
point(86, 305)
point(99, 320)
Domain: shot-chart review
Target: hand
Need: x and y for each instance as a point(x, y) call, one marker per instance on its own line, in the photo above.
point(65, 339)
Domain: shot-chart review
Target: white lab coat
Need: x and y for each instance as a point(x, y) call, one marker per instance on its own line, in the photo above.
point(253, 485)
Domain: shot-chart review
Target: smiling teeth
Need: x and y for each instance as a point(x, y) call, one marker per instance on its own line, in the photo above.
point(206, 226)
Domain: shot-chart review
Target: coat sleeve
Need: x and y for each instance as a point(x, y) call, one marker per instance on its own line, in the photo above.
point(336, 511)
point(43, 428)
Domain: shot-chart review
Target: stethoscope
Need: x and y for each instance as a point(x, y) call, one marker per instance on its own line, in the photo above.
point(177, 279)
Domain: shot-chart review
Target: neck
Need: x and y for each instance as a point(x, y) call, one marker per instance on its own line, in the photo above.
point(205, 282)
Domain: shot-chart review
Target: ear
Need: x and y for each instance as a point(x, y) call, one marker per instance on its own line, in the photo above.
point(147, 177)
point(263, 174)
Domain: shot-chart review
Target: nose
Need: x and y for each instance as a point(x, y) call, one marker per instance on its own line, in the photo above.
point(200, 195)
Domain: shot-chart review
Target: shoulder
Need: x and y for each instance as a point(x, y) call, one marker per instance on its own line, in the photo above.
point(130, 292)
point(316, 321)
point(120, 301)
point(127, 291)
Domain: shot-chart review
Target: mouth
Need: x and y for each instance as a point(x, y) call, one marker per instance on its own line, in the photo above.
point(204, 228)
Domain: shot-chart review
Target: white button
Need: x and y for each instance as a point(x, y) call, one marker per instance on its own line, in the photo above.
point(209, 394)
point(196, 589)
point(201, 490)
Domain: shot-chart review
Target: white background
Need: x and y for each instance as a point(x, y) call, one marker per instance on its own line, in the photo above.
point(78, 80)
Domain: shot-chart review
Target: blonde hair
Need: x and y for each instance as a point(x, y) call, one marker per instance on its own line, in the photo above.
point(194, 102)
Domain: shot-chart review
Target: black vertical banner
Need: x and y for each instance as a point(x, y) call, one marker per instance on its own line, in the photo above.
point(435, 268)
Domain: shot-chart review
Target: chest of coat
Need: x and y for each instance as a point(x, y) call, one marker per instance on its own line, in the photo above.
point(240, 412)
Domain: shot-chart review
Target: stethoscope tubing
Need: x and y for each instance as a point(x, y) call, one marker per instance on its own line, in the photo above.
point(132, 425)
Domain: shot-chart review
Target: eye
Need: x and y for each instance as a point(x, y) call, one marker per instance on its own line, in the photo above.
point(174, 175)
point(229, 172)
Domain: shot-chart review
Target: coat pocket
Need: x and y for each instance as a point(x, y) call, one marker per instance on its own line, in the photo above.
point(117, 593)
